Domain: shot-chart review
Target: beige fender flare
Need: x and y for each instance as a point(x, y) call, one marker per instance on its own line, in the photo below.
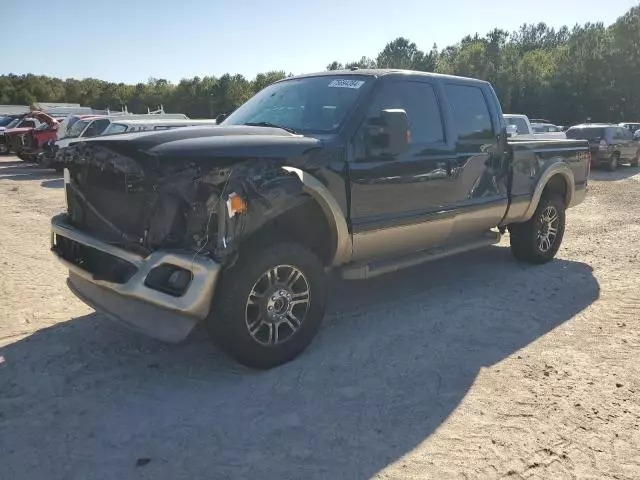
point(333, 212)
point(558, 167)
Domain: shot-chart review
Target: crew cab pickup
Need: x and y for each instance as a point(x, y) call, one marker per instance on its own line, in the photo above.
point(358, 173)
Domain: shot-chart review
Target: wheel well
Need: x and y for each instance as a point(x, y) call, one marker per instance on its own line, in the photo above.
point(557, 185)
point(305, 224)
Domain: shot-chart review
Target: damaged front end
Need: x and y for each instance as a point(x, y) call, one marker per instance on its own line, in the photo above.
point(145, 240)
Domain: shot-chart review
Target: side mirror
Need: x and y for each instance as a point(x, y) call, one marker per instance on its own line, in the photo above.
point(389, 133)
point(512, 130)
point(220, 118)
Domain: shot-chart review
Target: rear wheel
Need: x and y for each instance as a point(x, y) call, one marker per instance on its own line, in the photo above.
point(269, 305)
point(612, 165)
point(538, 239)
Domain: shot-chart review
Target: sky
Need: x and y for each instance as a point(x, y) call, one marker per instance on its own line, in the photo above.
point(131, 41)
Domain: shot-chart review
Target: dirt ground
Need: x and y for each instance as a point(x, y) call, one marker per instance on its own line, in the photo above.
point(470, 367)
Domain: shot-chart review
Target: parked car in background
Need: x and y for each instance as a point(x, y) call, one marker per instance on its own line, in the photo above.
point(533, 130)
point(633, 127)
point(236, 225)
point(93, 126)
point(521, 122)
point(23, 139)
point(545, 128)
point(610, 145)
point(137, 125)
point(69, 121)
point(6, 121)
point(20, 122)
point(539, 120)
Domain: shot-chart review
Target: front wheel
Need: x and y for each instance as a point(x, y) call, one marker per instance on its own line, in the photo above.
point(269, 305)
point(538, 239)
point(634, 162)
point(612, 165)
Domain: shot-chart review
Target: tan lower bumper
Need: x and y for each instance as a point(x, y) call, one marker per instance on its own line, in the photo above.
point(145, 309)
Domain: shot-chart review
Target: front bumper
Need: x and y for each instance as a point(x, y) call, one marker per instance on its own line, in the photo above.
point(155, 313)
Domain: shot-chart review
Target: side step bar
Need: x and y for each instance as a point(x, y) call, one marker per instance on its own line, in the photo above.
point(362, 271)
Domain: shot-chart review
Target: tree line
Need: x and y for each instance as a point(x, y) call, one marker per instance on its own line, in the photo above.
point(567, 75)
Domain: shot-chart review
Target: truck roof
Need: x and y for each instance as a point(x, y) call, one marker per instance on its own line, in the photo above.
point(381, 72)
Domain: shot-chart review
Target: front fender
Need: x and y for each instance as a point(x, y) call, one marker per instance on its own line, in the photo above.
point(332, 211)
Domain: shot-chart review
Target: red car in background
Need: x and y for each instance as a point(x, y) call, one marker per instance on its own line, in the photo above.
point(27, 142)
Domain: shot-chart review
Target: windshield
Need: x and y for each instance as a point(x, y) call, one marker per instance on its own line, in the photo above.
point(115, 128)
point(304, 105)
point(77, 129)
point(4, 121)
point(518, 122)
point(585, 133)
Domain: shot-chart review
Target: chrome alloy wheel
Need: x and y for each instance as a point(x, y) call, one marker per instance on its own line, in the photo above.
point(548, 222)
point(277, 305)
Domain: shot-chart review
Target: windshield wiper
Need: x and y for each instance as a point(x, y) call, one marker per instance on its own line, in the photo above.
point(269, 124)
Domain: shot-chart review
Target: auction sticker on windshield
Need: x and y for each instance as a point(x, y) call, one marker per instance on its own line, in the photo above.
point(346, 83)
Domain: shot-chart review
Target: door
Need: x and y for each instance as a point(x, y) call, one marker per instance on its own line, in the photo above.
point(398, 203)
point(479, 169)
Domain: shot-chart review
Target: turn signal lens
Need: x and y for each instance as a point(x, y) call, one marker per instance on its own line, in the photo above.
point(235, 205)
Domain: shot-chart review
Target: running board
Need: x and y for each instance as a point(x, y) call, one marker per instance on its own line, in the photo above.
point(362, 271)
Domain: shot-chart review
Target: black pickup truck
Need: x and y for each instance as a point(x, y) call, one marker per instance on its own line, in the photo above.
point(356, 172)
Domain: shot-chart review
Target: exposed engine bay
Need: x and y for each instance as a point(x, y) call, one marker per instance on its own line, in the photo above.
point(144, 205)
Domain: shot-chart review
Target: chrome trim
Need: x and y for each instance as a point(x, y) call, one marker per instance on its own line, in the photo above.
point(195, 303)
point(556, 168)
point(329, 205)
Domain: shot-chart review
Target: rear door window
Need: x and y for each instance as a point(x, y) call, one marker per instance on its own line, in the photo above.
point(470, 112)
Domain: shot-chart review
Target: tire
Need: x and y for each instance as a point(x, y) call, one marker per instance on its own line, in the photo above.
point(634, 162)
point(22, 157)
point(526, 243)
point(612, 165)
point(274, 340)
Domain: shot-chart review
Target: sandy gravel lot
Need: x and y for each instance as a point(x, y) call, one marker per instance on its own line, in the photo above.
point(471, 367)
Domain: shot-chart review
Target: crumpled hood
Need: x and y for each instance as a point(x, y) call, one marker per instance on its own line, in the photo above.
point(210, 144)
